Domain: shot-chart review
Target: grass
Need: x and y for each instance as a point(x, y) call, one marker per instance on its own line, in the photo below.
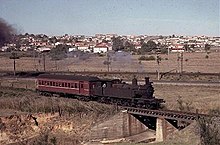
point(197, 96)
point(196, 62)
point(86, 114)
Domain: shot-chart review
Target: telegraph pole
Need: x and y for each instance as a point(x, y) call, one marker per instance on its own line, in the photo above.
point(181, 62)
point(158, 62)
point(14, 57)
point(44, 62)
point(108, 59)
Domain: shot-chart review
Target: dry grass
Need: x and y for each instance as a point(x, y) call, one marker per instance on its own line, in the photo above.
point(193, 62)
point(86, 114)
point(199, 97)
point(196, 96)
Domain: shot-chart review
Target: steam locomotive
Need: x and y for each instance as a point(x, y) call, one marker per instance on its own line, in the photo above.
point(109, 91)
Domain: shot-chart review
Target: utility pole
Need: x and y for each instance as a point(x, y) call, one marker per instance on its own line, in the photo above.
point(181, 62)
point(44, 62)
point(158, 70)
point(107, 62)
point(14, 57)
point(108, 59)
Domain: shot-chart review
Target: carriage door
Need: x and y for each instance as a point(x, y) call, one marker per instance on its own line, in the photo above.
point(81, 87)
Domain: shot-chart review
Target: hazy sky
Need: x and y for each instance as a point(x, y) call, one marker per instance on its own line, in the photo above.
point(150, 17)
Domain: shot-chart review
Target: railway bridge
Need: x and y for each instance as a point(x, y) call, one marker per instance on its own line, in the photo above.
point(138, 125)
point(163, 122)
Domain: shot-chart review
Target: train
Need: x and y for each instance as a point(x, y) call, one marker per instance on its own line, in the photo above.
point(108, 91)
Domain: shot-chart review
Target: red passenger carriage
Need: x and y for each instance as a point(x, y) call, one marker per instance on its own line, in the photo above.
point(65, 84)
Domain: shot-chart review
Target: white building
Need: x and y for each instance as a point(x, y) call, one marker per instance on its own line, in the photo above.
point(101, 48)
point(177, 48)
point(84, 48)
point(43, 49)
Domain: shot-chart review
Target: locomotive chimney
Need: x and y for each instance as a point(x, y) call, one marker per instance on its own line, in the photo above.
point(134, 81)
point(147, 81)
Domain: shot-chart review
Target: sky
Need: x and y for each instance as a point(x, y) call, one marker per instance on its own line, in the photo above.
point(123, 17)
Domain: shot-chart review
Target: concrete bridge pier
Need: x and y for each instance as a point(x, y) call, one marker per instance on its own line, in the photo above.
point(163, 129)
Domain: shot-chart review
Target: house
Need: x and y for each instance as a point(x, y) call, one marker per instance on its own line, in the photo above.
point(84, 48)
point(72, 49)
point(137, 46)
point(4, 48)
point(177, 48)
point(101, 48)
point(43, 49)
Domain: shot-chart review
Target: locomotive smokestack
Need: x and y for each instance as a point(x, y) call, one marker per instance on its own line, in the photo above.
point(134, 81)
point(147, 81)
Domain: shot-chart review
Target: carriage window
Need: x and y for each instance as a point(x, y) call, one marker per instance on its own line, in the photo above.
point(75, 85)
point(65, 84)
point(60, 84)
point(39, 82)
point(57, 84)
point(71, 85)
point(51, 83)
point(81, 85)
point(68, 85)
point(54, 84)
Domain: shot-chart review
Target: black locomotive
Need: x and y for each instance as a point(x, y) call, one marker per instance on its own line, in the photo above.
point(101, 90)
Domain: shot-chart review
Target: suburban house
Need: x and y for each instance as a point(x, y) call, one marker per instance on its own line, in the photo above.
point(43, 49)
point(72, 49)
point(177, 48)
point(101, 48)
point(84, 48)
point(137, 46)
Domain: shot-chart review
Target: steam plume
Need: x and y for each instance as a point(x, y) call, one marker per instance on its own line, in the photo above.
point(6, 32)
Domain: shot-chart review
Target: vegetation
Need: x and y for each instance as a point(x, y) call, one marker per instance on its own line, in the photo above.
point(184, 106)
point(209, 128)
point(59, 52)
point(117, 44)
point(146, 58)
point(148, 47)
point(207, 47)
point(28, 101)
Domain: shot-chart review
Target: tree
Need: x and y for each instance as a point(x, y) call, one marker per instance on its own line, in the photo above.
point(207, 47)
point(129, 46)
point(53, 39)
point(117, 44)
point(148, 47)
point(193, 46)
point(186, 46)
point(163, 48)
point(59, 52)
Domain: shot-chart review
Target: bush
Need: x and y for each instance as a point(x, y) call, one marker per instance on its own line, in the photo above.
point(209, 128)
point(147, 58)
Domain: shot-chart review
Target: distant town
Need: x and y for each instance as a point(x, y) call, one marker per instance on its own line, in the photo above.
point(102, 43)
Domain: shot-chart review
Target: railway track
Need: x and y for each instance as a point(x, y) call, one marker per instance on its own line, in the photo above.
point(166, 114)
point(112, 72)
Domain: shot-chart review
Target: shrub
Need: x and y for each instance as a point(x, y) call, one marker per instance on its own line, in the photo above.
point(146, 58)
point(209, 129)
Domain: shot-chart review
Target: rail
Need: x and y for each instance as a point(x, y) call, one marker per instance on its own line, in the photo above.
point(167, 114)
